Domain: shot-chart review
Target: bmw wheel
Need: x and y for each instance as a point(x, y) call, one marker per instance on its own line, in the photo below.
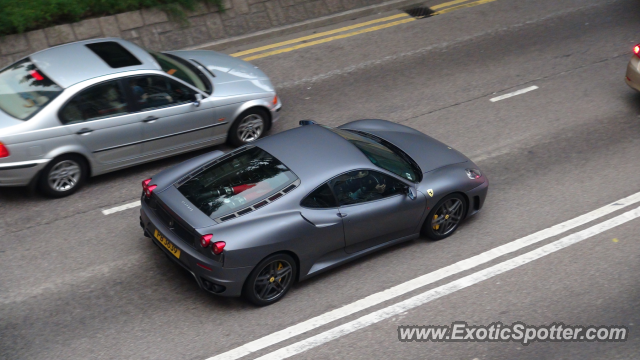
point(270, 280)
point(63, 176)
point(248, 127)
point(445, 217)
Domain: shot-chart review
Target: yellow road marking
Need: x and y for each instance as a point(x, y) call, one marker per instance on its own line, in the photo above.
point(362, 31)
point(475, 3)
point(450, 3)
point(293, 41)
point(615, 240)
point(300, 46)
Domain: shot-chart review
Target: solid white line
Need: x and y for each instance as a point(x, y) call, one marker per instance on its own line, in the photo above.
point(521, 91)
point(121, 207)
point(423, 280)
point(449, 288)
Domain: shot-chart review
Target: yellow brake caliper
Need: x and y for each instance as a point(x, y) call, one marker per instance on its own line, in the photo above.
point(280, 268)
point(436, 227)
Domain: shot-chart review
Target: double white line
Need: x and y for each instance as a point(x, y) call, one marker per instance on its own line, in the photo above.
point(432, 277)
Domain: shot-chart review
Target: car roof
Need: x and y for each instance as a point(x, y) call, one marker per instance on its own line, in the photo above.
point(72, 63)
point(314, 153)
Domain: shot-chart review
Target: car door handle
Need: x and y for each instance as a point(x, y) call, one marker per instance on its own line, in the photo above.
point(84, 131)
point(341, 215)
point(150, 119)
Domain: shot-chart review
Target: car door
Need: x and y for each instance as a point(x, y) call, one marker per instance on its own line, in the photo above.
point(375, 209)
point(320, 210)
point(101, 119)
point(170, 115)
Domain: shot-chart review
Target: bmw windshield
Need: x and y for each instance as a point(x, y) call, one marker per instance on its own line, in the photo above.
point(183, 70)
point(25, 90)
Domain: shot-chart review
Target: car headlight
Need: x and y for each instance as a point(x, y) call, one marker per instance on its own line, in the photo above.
point(474, 174)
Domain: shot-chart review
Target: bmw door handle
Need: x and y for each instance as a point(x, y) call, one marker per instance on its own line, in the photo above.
point(341, 215)
point(84, 131)
point(150, 119)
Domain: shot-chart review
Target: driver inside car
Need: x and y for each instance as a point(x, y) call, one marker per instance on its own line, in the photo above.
point(352, 187)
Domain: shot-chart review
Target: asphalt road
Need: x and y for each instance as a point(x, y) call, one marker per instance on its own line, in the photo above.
point(76, 284)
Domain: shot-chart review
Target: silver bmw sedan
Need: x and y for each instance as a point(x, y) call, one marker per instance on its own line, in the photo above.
point(95, 106)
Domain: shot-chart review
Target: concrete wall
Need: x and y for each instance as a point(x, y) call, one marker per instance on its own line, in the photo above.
point(152, 29)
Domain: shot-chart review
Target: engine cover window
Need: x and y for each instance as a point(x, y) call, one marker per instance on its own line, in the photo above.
point(240, 181)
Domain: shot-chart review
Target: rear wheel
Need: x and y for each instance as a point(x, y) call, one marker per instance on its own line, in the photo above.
point(445, 217)
point(248, 127)
point(63, 176)
point(270, 280)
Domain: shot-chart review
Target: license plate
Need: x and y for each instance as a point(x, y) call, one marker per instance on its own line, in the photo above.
point(166, 243)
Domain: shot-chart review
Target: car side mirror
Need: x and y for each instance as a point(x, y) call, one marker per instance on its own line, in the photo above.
point(411, 193)
point(197, 98)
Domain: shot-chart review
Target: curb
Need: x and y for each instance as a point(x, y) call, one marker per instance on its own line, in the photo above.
point(305, 25)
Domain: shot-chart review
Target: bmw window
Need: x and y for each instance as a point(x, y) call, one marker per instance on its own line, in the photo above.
point(236, 182)
point(153, 91)
point(97, 102)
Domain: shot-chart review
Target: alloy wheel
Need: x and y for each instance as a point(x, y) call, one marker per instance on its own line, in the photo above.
point(64, 175)
point(250, 128)
point(273, 280)
point(447, 217)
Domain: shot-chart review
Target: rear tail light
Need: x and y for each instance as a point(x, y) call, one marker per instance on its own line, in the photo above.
point(275, 100)
point(4, 152)
point(148, 189)
point(205, 240)
point(217, 247)
point(636, 50)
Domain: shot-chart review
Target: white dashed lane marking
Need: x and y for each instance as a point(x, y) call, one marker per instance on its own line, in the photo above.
point(121, 208)
point(515, 93)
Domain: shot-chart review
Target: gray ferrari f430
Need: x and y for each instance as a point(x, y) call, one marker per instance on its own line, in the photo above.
point(289, 206)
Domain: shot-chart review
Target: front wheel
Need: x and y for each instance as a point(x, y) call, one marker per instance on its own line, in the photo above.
point(445, 217)
point(270, 280)
point(63, 176)
point(248, 127)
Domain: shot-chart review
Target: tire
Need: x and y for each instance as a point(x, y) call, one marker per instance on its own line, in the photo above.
point(261, 287)
point(450, 218)
point(63, 176)
point(248, 127)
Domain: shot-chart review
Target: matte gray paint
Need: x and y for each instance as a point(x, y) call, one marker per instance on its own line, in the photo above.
point(316, 237)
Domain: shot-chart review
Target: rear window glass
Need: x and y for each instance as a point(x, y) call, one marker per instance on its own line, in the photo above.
point(25, 90)
point(237, 182)
point(114, 54)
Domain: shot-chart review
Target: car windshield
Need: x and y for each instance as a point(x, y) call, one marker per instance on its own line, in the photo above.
point(25, 90)
point(234, 183)
point(183, 70)
point(382, 154)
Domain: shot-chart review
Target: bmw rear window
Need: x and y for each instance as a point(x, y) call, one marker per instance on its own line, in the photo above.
point(237, 182)
point(25, 90)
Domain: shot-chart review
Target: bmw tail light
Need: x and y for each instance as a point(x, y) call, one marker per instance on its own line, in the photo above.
point(205, 240)
point(4, 152)
point(148, 189)
point(217, 247)
point(636, 50)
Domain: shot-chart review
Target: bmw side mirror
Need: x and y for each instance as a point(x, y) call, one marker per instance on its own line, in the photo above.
point(411, 193)
point(197, 98)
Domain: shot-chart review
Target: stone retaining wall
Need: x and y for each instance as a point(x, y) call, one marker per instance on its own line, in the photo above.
point(152, 28)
